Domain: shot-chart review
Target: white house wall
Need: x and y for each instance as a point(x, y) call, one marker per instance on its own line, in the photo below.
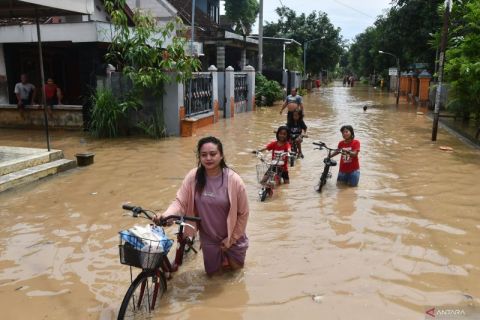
point(72, 32)
point(81, 6)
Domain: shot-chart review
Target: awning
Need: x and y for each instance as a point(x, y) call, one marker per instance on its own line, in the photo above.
point(45, 8)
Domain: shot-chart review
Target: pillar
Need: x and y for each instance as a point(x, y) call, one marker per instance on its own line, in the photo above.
point(3, 78)
point(243, 58)
point(424, 87)
point(229, 92)
point(251, 87)
point(220, 57)
point(173, 106)
point(215, 104)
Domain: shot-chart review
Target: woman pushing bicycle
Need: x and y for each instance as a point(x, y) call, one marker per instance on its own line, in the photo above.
point(217, 195)
point(349, 172)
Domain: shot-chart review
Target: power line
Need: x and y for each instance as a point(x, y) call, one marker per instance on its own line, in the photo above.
point(352, 8)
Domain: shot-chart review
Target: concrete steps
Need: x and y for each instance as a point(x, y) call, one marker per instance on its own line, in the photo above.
point(23, 165)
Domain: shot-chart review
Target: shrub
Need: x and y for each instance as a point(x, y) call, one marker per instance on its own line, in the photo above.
point(266, 91)
point(108, 113)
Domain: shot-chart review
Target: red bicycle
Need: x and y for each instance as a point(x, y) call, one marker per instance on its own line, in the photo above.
point(269, 174)
point(150, 285)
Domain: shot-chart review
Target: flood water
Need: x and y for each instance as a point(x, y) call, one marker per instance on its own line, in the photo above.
point(404, 241)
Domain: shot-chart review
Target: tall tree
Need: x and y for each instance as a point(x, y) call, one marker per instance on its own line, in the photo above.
point(242, 13)
point(405, 30)
point(321, 54)
point(463, 60)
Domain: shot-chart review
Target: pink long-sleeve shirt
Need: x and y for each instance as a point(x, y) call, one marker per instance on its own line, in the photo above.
point(237, 218)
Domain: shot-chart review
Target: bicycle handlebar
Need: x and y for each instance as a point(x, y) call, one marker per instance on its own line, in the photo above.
point(323, 145)
point(138, 210)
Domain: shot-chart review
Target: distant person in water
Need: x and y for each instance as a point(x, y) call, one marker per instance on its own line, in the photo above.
point(292, 102)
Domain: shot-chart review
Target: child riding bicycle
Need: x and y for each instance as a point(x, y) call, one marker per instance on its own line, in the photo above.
point(280, 149)
point(298, 130)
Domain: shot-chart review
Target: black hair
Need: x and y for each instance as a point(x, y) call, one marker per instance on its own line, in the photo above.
point(200, 176)
point(290, 120)
point(349, 128)
point(283, 128)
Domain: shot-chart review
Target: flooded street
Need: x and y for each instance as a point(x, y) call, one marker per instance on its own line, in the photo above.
point(404, 241)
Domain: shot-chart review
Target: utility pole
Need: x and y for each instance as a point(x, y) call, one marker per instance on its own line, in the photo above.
point(260, 38)
point(443, 45)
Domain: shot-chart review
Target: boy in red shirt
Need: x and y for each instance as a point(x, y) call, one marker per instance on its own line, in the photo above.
point(349, 172)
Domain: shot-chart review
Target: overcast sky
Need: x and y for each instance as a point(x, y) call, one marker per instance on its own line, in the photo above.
point(352, 16)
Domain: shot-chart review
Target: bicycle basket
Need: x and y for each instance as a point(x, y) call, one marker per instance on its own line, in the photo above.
point(262, 168)
point(140, 252)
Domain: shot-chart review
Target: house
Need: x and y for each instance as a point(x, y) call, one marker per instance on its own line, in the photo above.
point(73, 50)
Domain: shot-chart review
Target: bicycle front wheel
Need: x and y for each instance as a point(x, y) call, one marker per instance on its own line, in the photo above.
point(142, 296)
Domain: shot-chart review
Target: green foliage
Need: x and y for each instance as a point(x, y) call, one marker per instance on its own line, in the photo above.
point(153, 127)
point(269, 89)
point(462, 67)
point(322, 54)
point(242, 13)
point(141, 53)
point(404, 30)
point(302, 92)
point(109, 113)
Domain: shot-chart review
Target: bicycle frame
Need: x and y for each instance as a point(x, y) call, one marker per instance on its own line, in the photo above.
point(328, 162)
point(273, 174)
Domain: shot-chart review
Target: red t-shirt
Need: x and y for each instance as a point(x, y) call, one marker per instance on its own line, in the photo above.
point(50, 90)
point(276, 148)
point(348, 163)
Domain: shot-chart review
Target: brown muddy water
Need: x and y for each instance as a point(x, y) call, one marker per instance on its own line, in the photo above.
point(404, 241)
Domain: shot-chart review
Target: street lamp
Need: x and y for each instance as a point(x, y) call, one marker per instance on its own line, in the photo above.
point(283, 57)
point(305, 46)
point(398, 72)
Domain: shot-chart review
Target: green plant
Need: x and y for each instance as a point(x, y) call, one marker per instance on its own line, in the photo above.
point(302, 91)
point(266, 91)
point(108, 113)
point(154, 126)
point(146, 55)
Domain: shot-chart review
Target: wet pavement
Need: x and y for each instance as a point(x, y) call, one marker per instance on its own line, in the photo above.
point(404, 241)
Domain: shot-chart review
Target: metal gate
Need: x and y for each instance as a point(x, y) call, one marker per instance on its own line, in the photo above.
point(240, 92)
point(199, 99)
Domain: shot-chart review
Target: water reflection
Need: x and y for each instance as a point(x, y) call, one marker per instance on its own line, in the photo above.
point(405, 240)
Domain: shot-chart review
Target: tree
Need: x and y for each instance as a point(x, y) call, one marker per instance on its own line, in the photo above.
point(142, 55)
point(404, 30)
point(242, 13)
point(322, 54)
point(462, 68)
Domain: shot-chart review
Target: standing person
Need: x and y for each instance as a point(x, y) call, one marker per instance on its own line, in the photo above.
point(25, 93)
point(349, 172)
point(292, 102)
point(53, 94)
point(277, 147)
point(298, 130)
point(217, 195)
point(345, 80)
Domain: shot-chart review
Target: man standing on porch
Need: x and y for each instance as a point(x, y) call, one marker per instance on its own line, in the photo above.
point(25, 93)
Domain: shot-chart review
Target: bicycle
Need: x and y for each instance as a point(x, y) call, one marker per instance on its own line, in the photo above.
point(141, 297)
point(269, 173)
point(294, 154)
point(329, 162)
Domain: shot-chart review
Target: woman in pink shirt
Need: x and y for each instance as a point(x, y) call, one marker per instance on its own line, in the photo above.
point(217, 195)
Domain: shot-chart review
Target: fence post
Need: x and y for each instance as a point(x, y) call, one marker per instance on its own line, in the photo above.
point(229, 92)
point(251, 87)
point(214, 72)
point(173, 106)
